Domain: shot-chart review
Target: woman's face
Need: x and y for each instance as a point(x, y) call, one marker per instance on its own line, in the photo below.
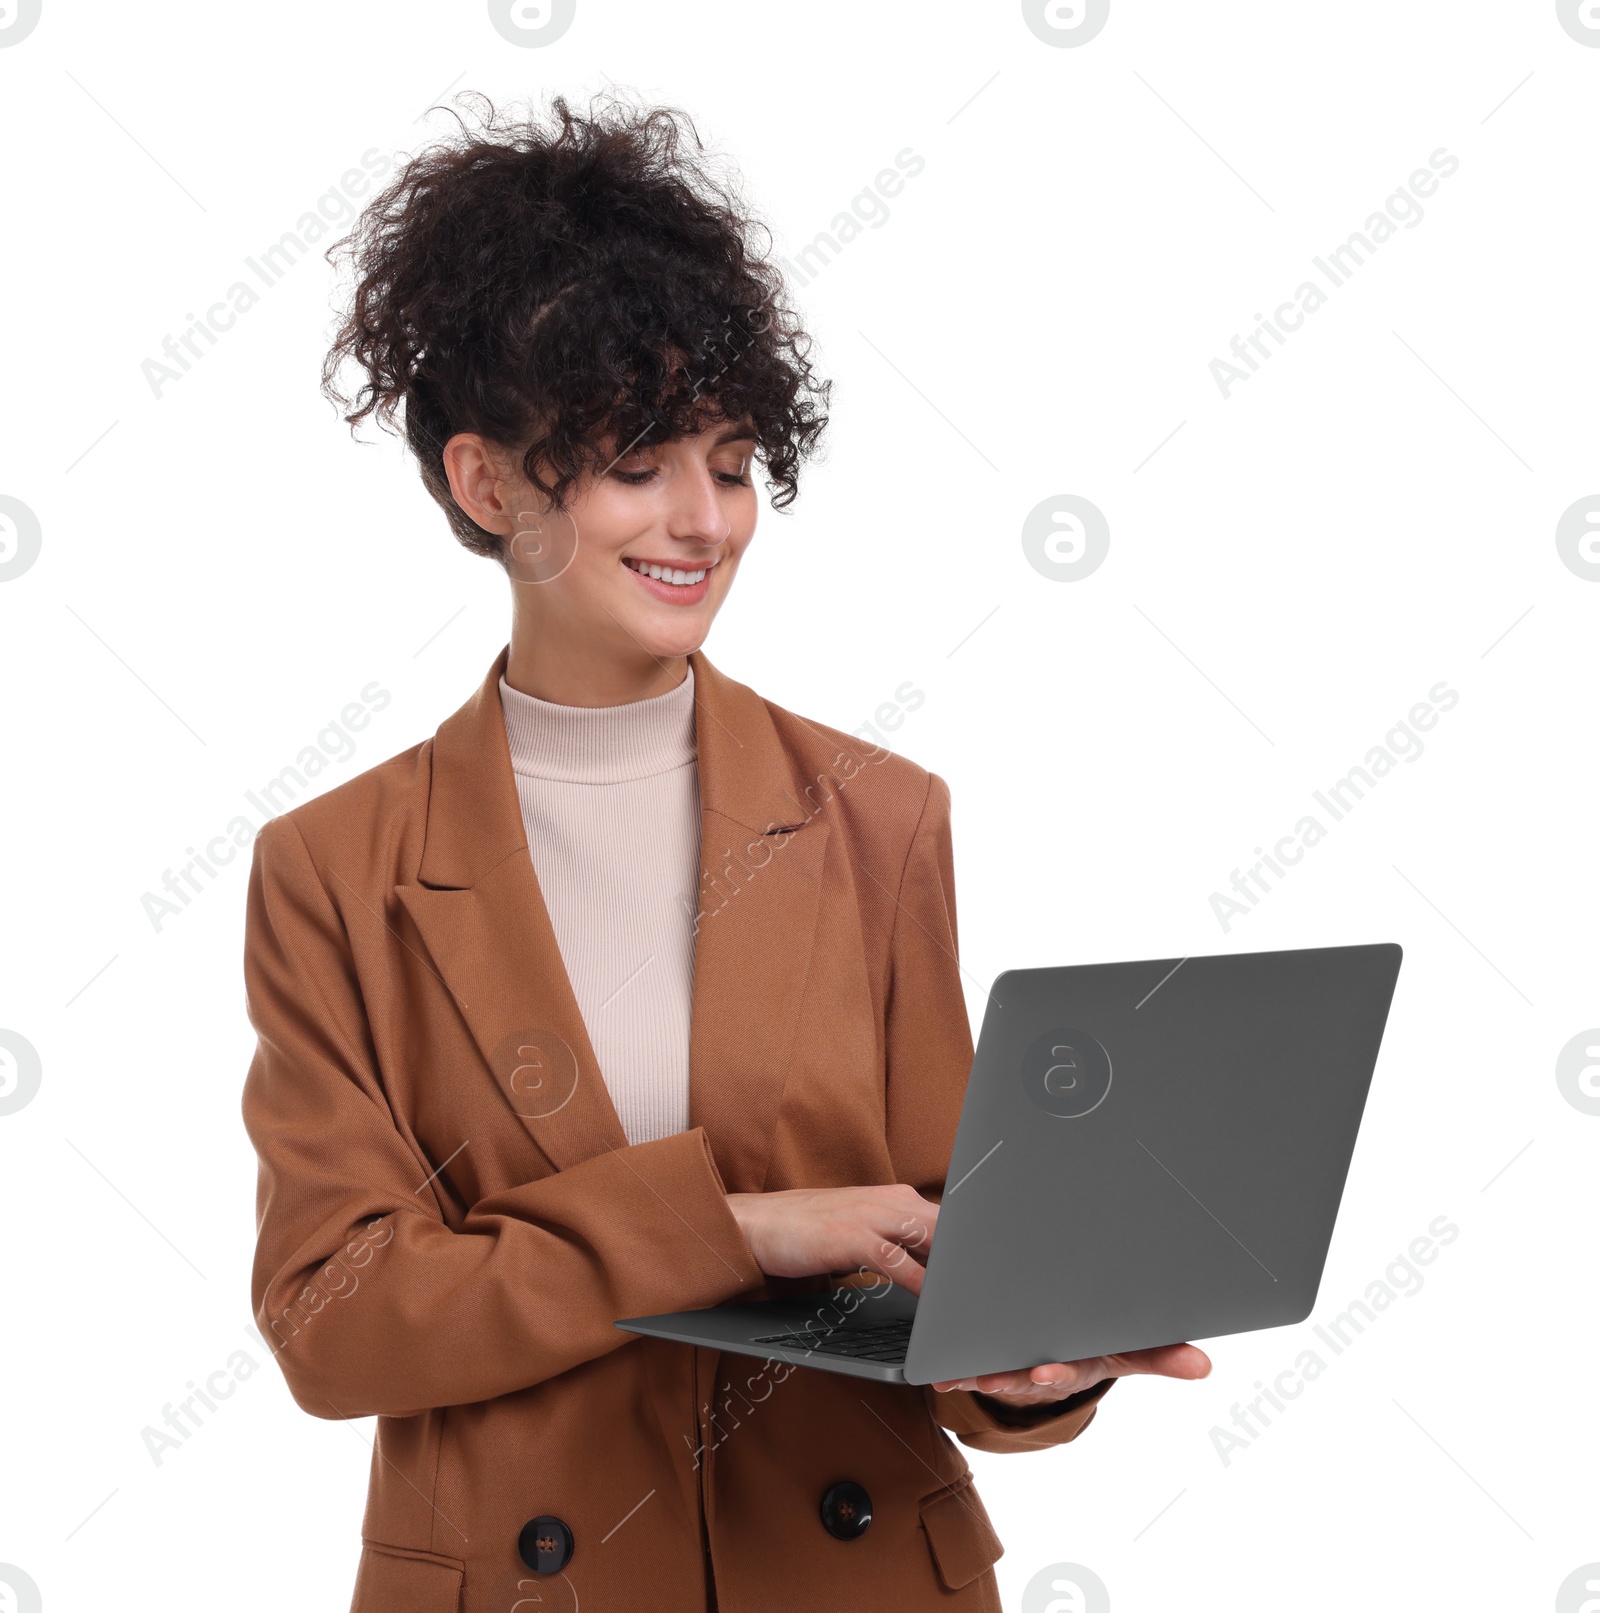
point(645, 553)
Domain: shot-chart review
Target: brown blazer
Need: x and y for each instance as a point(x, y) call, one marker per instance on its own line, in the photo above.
point(450, 1217)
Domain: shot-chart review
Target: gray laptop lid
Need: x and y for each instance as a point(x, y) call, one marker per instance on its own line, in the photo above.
point(1149, 1153)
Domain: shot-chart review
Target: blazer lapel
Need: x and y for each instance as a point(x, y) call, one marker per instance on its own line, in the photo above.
point(477, 905)
point(762, 852)
point(488, 934)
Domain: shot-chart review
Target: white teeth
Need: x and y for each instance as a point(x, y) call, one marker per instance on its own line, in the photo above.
point(681, 579)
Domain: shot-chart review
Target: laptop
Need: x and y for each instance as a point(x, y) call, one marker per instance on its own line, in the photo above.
point(1148, 1153)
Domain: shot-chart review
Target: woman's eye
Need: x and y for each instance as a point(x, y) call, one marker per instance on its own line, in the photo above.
point(638, 477)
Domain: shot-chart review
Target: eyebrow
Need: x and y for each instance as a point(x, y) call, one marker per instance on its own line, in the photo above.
point(740, 433)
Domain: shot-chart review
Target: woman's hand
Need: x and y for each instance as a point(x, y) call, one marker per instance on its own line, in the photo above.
point(1037, 1386)
point(804, 1232)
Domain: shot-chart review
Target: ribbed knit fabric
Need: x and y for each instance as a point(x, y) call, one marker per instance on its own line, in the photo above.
point(610, 800)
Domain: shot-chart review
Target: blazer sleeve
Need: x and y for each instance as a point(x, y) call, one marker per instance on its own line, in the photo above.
point(372, 1304)
point(928, 1045)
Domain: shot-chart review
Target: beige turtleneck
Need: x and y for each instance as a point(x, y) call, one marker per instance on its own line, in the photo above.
point(610, 800)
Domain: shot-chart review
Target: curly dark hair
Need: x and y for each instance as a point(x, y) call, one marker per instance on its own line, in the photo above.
point(557, 286)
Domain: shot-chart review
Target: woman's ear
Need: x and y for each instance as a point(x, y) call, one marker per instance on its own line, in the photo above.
point(479, 481)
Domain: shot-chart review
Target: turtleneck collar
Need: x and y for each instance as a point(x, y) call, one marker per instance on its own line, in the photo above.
point(600, 744)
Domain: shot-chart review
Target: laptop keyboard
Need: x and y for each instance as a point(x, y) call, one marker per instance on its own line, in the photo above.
point(885, 1343)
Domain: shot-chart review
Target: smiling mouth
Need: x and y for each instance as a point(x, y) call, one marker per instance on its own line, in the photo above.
point(674, 576)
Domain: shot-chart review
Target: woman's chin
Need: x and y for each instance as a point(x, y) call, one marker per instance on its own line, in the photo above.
point(682, 633)
point(669, 647)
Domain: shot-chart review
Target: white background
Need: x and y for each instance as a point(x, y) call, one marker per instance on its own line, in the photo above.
point(1373, 512)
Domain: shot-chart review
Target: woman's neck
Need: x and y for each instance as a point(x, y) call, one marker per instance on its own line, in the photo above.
point(588, 674)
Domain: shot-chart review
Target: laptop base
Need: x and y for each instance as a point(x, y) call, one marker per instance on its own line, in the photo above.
point(862, 1332)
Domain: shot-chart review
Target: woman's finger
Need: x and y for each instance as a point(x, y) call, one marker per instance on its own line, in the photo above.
point(1022, 1380)
point(1021, 1383)
point(891, 1261)
point(899, 1228)
point(909, 1220)
point(1166, 1360)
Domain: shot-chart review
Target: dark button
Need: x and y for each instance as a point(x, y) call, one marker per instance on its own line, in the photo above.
point(545, 1545)
point(846, 1510)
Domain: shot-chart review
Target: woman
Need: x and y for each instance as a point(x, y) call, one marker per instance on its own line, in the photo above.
point(628, 991)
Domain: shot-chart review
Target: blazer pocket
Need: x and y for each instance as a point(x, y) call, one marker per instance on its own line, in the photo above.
point(393, 1579)
point(960, 1536)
